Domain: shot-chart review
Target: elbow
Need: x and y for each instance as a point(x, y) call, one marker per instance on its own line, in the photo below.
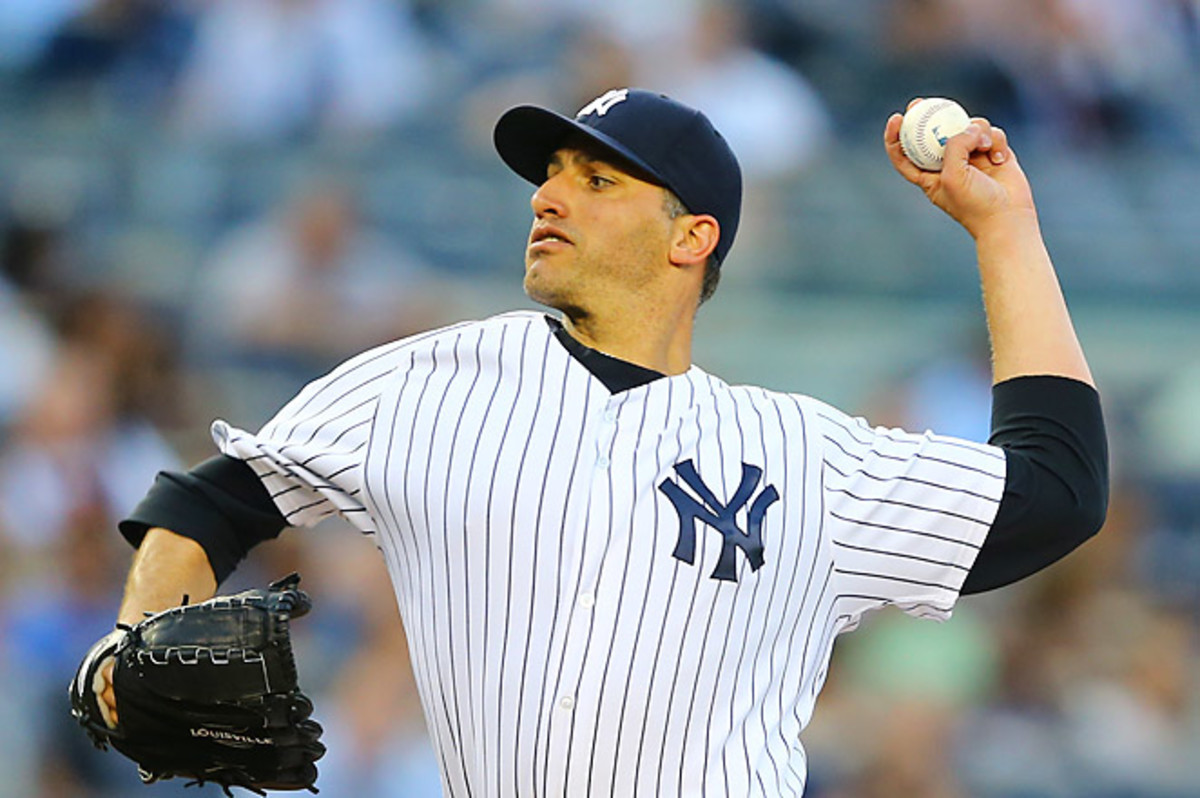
point(1087, 522)
point(1089, 511)
point(1094, 501)
point(1094, 513)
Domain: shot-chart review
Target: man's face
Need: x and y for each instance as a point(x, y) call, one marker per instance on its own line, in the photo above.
point(599, 233)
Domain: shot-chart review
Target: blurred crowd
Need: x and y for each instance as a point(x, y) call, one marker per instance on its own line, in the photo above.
point(205, 203)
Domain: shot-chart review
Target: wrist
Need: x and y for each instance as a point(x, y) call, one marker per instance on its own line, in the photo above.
point(1006, 226)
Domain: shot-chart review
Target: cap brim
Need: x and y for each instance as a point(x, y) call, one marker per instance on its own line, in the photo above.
point(526, 137)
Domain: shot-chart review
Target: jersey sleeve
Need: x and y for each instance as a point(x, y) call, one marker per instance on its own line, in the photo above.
point(311, 455)
point(907, 513)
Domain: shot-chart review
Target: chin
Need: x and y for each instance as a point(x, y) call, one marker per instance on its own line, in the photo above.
point(539, 290)
point(549, 300)
point(539, 281)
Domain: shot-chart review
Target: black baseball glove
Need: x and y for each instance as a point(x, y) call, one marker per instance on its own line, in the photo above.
point(207, 692)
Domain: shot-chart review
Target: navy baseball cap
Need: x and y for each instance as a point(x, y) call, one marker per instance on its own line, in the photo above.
point(672, 144)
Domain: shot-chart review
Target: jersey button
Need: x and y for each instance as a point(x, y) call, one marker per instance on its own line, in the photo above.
point(587, 601)
point(610, 415)
point(567, 702)
point(602, 462)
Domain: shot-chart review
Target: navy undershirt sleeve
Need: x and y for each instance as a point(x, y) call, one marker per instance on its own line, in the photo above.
point(1056, 489)
point(221, 504)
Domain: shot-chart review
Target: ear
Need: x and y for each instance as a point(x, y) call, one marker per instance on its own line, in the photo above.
point(693, 238)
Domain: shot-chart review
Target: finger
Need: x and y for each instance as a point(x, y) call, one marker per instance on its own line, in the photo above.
point(992, 141)
point(891, 143)
point(891, 130)
point(985, 140)
point(913, 102)
point(999, 152)
point(109, 699)
point(959, 149)
point(976, 137)
point(108, 696)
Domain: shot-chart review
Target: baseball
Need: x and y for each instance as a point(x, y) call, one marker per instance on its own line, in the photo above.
point(926, 128)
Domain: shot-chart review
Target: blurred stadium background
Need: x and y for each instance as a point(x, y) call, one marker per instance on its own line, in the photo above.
point(204, 203)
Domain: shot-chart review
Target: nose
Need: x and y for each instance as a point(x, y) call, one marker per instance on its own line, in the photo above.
point(548, 199)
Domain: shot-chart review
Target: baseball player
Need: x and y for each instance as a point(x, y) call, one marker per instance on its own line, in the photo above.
point(620, 575)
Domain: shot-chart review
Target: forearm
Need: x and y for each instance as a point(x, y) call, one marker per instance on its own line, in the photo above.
point(220, 504)
point(165, 568)
point(983, 188)
point(1027, 316)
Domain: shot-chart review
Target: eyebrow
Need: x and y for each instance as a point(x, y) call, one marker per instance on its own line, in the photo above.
point(581, 155)
point(587, 155)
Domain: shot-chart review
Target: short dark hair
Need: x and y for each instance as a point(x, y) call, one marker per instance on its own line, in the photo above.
point(712, 267)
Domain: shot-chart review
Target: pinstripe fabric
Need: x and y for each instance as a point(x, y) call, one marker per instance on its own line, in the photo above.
point(559, 646)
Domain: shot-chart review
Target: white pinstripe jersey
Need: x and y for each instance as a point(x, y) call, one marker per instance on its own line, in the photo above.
point(537, 530)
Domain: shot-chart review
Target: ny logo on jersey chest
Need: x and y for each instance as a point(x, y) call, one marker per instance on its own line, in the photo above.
point(721, 517)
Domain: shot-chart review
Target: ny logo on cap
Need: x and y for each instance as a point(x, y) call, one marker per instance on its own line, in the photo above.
point(604, 102)
point(721, 517)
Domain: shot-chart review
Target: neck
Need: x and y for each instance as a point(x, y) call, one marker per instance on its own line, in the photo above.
point(654, 340)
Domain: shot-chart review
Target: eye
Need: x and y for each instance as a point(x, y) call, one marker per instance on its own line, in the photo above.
point(599, 181)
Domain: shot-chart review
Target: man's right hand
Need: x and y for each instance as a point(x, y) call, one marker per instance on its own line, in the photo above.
point(981, 185)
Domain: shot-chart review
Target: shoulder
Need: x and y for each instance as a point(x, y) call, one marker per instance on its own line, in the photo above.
point(517, 321)
point(767, 408)
point(493, 338)
point(821, 423)
point(408, 362)
point(421, 344)
point(792, 403)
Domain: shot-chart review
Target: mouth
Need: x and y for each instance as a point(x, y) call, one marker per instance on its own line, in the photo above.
point(548, 237)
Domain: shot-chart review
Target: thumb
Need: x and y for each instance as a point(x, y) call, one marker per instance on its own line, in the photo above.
point(956, 160)
point(106, 697)
point(969, 183)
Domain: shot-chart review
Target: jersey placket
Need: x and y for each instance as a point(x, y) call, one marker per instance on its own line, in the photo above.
point(573, 712)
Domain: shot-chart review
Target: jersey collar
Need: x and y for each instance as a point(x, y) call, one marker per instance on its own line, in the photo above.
point(616, 375)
